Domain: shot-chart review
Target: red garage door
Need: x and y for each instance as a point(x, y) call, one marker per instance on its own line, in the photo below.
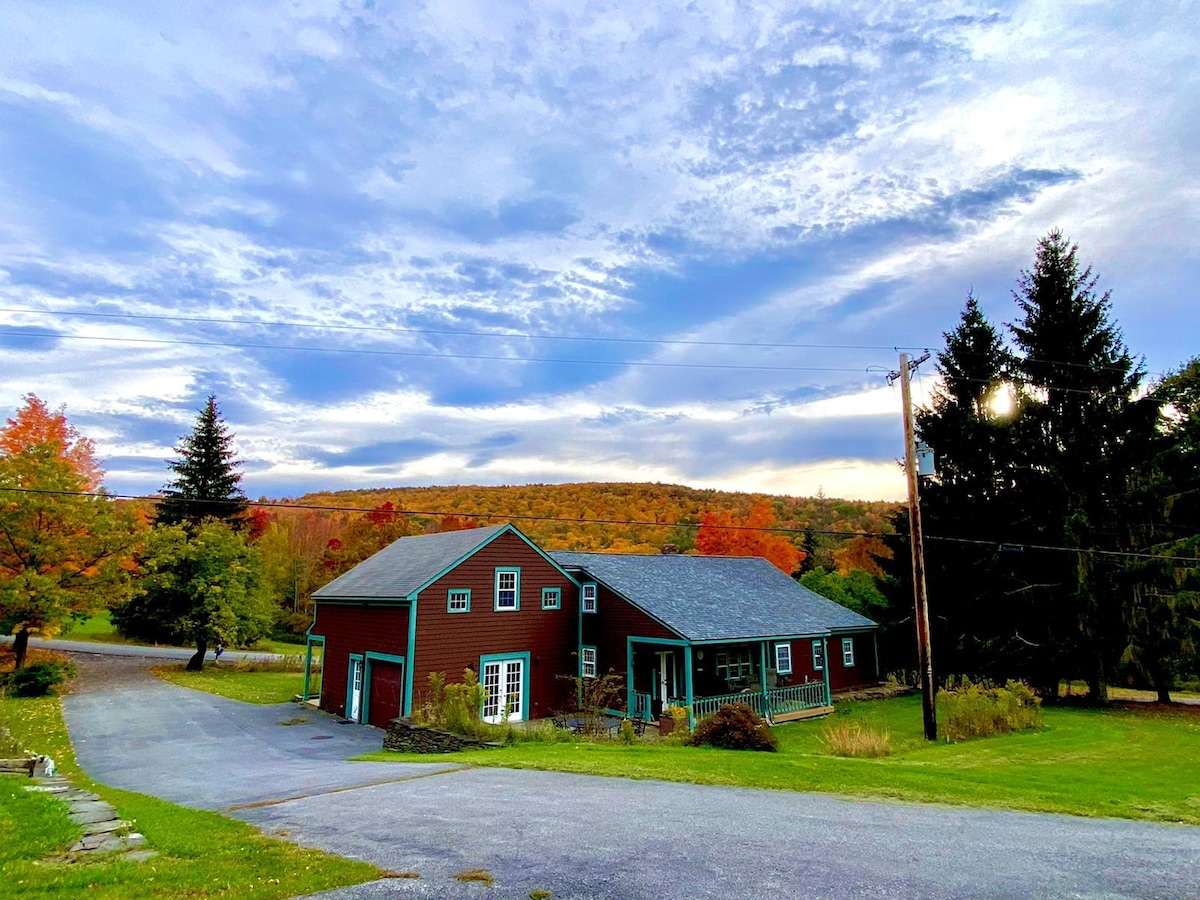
point(386, 678)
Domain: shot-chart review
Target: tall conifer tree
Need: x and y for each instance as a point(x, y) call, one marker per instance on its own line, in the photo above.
point(1079, 434)
point(207, 483)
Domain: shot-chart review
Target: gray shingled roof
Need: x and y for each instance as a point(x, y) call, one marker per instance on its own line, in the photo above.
point(401, 567)
point(710, 598)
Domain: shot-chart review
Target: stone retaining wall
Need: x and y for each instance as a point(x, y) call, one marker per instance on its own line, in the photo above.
point(405, 737)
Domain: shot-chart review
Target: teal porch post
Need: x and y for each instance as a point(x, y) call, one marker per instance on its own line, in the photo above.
point(630, 709)
point(763, 676)
point(825, 670)
point(687, 683)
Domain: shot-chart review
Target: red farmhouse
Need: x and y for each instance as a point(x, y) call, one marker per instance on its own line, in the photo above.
point(692, 631)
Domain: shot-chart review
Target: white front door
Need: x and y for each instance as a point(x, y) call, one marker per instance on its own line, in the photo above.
point(354, 707)
point(504, 680)
point(666, 675)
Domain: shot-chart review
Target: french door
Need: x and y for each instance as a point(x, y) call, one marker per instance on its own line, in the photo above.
point(504, 680)
point(354, 706)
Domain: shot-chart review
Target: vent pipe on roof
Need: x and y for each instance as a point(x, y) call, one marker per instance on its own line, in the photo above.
point(668, 549)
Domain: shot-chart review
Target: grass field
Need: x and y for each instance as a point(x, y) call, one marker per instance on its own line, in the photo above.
point(201, 854)
point(1134, 764)
point(248, 682)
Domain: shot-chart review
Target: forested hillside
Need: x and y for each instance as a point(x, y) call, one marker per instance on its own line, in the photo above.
point(675, 506)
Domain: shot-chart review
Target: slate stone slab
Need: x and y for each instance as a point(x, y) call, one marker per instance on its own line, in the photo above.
point(91, 811)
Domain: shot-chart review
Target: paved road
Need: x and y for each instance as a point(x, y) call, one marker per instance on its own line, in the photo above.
point(140, 651)
point(584, 837)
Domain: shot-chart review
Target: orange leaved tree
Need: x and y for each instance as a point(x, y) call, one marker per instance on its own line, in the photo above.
point(724, 534)
point(65, 547)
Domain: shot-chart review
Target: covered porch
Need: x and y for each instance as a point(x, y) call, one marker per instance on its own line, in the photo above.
point(703, 676)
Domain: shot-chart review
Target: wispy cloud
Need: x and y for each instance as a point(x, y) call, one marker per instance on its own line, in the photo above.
point(835, 177)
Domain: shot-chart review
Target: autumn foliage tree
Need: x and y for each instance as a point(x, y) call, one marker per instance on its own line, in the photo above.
point(722, 533)
point(65, 548)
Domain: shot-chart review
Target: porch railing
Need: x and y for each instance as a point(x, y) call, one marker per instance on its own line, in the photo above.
point(797, 697)
point(778, 700)
point(641, 705)
point(703, 707)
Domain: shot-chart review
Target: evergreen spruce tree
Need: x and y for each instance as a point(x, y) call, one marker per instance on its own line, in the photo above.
point(207, 483)
point(1078, 437)
point(976, 626)
point(1162, 589)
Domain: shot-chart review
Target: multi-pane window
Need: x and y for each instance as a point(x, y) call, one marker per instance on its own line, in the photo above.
point(589, 598)
point(847, 652)
point(551, 598)
point(783, 659)
point(458, 600)
point(818, 650)
point(504, 681)
point(735, 665)
point(508, 585)
point(588, 662)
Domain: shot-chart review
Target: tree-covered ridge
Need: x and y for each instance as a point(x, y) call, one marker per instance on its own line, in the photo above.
point(608, 505)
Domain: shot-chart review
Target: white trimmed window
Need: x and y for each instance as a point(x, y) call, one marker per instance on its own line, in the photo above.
point(848, 652)
point(587, 662)
point(508, 590)
point(458, 600)
point(783, 659)
point(589, 597)
point(551, 598)
point(818, 650)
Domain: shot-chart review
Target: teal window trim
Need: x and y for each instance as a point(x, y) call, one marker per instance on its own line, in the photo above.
point(583, 662)
point(369, 657)
point(551, 598)
point(311, 639)
point(848, 653)
point(526, 704)
point(450, 608)
point(515, 571)
point(350, 686)
point(828, 694)
point(818, 655)
point(583, 597)
point(785, 646)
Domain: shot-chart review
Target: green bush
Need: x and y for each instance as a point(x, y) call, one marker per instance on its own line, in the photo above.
point(976, 710)
point(734, 726)
point(458, 708)
point(38, 679)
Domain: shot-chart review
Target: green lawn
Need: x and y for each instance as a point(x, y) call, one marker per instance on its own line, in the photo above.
point(1135, 765)
point(202, 854)
point(248, 682)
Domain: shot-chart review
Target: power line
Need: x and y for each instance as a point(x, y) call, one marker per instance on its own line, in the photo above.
point(630, 523)
point(419, 354)
point(275, 323)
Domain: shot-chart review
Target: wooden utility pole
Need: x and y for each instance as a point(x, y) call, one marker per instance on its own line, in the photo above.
point(916, 541)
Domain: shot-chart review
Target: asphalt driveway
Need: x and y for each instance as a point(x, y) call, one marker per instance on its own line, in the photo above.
point(584, 837)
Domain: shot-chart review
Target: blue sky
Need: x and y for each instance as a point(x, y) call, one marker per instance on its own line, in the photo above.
point(504, 243)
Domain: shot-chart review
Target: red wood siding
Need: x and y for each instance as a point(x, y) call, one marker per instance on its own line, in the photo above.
point(387, 685)
point(615, 620)
point(355, 629)
point(450, 642)
point(862, 672)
